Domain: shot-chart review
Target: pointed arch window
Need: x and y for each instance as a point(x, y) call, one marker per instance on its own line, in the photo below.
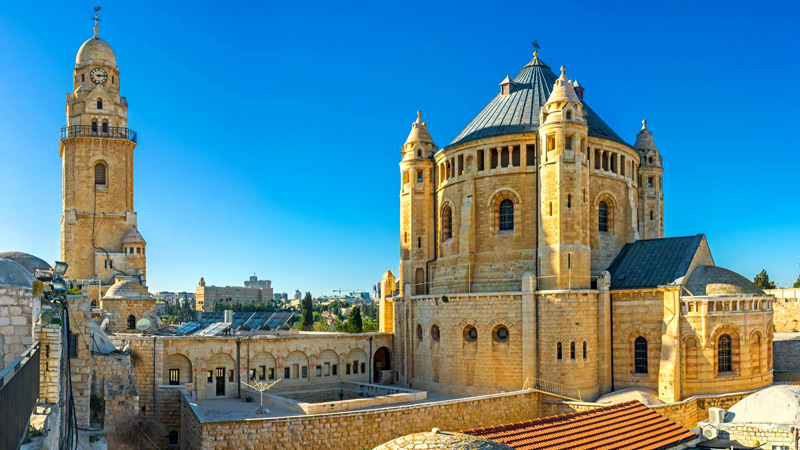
point(506, 215)
point(447, 223)
point(602, 216)
point(640, 355)
point(724, 354)
point(100, 175)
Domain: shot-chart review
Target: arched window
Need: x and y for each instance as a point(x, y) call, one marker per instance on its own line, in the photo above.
point(640, 355)
point(99, 103)
point(755, 353)
point(691, 358)
point(94, 126)
point(131, 322)
point(572, 351)
point(105, 127)
point(100, 174)
point(559, 355)
point(724, 357)
point(507, 215)
point(173, 437)
point(602, 216)
point(447, 223)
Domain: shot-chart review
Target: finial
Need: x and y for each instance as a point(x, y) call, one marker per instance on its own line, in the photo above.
point(419, 115)
point(563, 72)
point(535, 45)
point(96, 28)
point(644, 124)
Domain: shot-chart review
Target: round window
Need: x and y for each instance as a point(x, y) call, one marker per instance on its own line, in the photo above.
point(435, 333)
point(419, 332)
point(470, 333)
point(500, 333)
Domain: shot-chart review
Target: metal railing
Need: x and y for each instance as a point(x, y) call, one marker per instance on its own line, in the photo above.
point(19, 391)
point(551, 387)
point(72, 131)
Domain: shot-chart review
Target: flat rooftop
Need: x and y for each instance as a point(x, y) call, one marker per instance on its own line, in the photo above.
point(232, 409)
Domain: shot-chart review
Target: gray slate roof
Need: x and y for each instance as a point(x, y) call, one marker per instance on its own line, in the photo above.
point(518, 112)
point(653, 262)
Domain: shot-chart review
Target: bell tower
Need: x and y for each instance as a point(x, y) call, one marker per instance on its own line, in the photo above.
point(99, 237)
point(564, 252)
point(417, 239)
point(651, 192)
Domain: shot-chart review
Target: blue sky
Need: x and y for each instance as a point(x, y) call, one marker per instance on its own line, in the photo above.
point(270, 133)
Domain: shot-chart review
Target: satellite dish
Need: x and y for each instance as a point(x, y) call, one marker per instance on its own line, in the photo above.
point(104, 324)
point(142, 324)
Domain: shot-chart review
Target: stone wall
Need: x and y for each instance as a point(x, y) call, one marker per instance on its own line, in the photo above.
point(786, 310)
point(787, 353)
point(49, 336)
point(81, 366)
point(765, 435)
point(17, 306)
point(119, 310)
point(357, 430)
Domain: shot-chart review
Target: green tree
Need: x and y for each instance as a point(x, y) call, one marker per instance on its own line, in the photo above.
point(354, 323)
point(797, 283)
point(762, 281)
point(307, 313)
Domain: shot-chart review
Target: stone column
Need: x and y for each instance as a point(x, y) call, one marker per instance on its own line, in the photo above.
point(604, 373)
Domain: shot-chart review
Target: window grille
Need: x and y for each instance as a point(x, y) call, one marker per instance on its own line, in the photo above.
point(447, 223)
point(640, 355)
point(100, 174)
point(724, 354)
point(174, 377)
point(602, 216)
point(506, 215)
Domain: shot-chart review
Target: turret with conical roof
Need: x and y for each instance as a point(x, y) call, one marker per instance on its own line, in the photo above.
point(651, 194)
point(564, 251)
point(416, 205)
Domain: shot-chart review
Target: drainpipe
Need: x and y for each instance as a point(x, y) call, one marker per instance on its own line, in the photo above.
point(154, 379)
point(238, 368)
point(370, 360)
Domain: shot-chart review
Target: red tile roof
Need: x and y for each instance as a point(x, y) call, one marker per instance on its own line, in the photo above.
point(624, 426)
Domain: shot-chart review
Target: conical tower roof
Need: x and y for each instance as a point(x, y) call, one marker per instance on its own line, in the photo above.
point(518, 111)
point(419, 131)
point(133, 236)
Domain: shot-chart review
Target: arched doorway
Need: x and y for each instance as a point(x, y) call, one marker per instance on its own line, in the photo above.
point(382, 366)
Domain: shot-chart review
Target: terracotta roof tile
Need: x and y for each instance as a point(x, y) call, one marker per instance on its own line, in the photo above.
point(624, 426)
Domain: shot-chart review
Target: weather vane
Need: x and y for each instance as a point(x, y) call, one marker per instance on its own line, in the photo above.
point(96, 19)
point(535, 45)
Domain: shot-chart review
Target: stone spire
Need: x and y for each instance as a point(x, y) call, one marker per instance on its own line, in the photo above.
point(644, 140)
point(419, 131)
point(563, 90)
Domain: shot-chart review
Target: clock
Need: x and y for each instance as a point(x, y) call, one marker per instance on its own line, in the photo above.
point(99, 76)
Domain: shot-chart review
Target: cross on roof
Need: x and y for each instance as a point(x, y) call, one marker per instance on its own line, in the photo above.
point(536, 47)
point(96, 19)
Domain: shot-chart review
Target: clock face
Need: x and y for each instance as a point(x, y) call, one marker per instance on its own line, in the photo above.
point(98, 75)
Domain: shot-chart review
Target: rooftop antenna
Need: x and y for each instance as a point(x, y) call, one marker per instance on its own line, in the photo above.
point(96, 19)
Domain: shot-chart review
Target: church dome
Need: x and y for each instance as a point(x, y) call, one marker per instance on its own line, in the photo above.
point(96, 51)
point(518, 111)
point(14, 274)
point(442, 440)
point(714, 280)
point(775, 404)
point(26, 260)
point(126, 289)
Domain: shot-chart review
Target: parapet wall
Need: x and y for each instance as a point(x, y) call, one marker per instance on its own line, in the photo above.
point(786, 309)
point(355, 430)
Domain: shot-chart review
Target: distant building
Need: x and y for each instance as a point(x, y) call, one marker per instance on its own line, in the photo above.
point(254, 291)
point(297, 294)
point(281, 297)
point(376, 291)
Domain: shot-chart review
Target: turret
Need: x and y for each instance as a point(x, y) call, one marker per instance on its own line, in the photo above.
point(651, 193)
point(417, 229)
point(564, 253)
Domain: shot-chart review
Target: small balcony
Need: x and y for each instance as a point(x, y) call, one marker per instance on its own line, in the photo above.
point(73, 131)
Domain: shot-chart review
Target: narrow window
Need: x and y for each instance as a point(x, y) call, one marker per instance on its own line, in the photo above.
point(530, 154)
point(210, 378)
point(99, 103)
point(649, 181)
point(724, 354)
point(174, 377)
point(100, 174)
point(335, 369)
point(551, 142)
point(419, 176)
point(271, 373)
point(112, 79)
point(568, 142)
point(506, 215)
point(651, 215)
point(230, 375)
point(585, 353)
point(569, 201)
point(419, 242)
point(138, 250)
point(173, 437)
point(263, 374)
point(419, 153)
point(569, 115)
point(460, 165)
point(319, 371)
point(73, 345)
point(493, 164)
point(503, 157)
point(83, 77)
point(363, 367)
point(572, 351)
point(286, 373)
point(131, 322)
point(355, 366)
point(447, 223)
point(515, 156)
point(569, 260)
point(602, 216)
point(558, 352)
point(550, 206)
point(640, 355)
point(94, 127)
point(105, 127)
point(480, 160)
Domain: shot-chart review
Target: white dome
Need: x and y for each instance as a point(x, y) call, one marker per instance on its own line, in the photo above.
point(96, 51)
point(775, 404)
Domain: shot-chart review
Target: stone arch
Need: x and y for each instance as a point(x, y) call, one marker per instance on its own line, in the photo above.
point(327, 364)
point(497, 197)
point(356, 362)
point(177, 369)
point(691, 349)
point(221, 370)
point(263, 366)
point(754, 349)
point(611, 212)
point(732, 331)
point(382, 365)
point(131, 322)
point(295, 365)
point(631, 334)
